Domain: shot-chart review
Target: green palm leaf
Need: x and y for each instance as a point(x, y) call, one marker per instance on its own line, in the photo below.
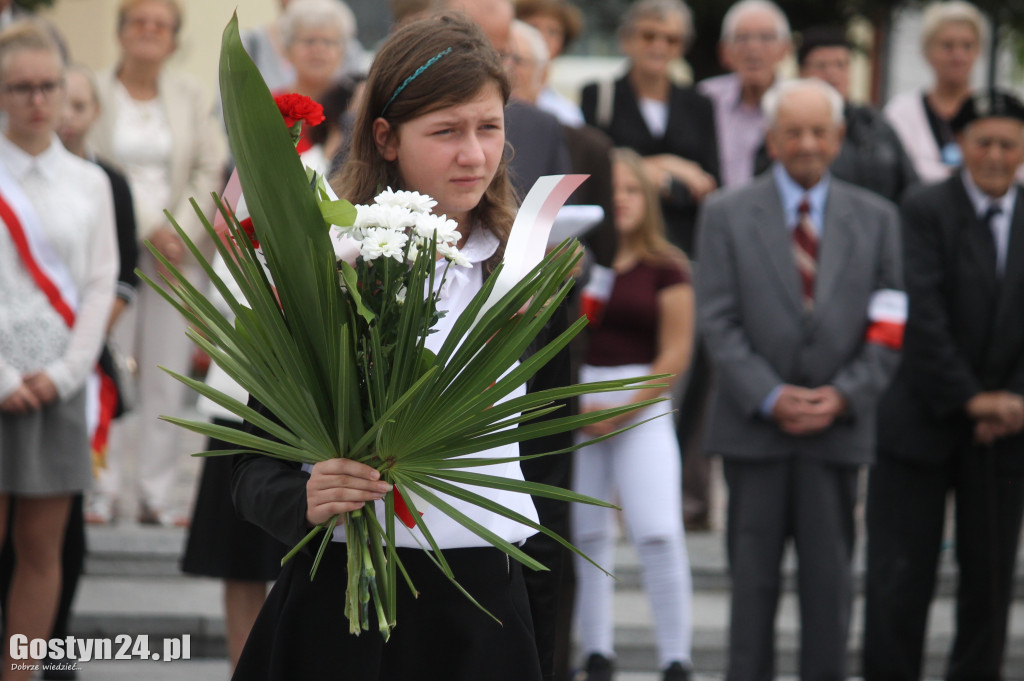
point(344, 372)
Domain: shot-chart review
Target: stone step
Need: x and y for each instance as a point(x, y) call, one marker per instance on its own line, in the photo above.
point(128, 549)
point(165, 607)
point(134, 586)
point(636, 649)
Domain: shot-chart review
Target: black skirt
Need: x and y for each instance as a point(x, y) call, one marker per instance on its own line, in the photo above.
point(302, 633)
point(220, 543)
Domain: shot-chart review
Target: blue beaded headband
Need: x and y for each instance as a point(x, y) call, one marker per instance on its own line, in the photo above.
point(414, 76)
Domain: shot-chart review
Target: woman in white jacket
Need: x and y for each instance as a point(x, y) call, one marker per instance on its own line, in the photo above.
point(158, 128)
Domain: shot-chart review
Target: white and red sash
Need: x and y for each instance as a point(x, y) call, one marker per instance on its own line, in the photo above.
point(53, 278)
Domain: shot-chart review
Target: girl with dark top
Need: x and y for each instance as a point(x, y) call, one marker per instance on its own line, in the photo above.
point(439, 132)
point(647, 328)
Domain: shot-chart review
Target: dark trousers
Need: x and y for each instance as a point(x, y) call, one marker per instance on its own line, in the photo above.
point(770, 502)
point(552, 592)
point(552, 596)
point(906, 511)
point(697, 499)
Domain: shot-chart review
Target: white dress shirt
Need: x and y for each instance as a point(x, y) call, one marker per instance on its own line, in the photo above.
point(1000, 223)
point(459, 288)
point(73, 203)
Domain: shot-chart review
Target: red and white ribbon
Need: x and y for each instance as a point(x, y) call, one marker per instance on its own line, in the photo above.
point(529, 237)
point(887, 318)
point(45, 267)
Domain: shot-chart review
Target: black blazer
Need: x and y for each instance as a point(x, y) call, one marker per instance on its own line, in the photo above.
point(690, 134)
point(127, 244)
point(271, 493)
point(537, 145)
point(590, 153)
point(965, 331)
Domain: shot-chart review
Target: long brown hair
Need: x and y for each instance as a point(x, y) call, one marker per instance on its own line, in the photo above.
point(454, 79)
point(650, 238)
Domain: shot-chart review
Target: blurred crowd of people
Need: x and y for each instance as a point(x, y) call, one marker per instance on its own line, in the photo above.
point(831, 286)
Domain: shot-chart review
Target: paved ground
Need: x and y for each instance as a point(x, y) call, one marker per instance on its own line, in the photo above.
point(133, 586)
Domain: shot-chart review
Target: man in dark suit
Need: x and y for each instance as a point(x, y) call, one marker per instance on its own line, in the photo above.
point(952, 419)
point(798, 273)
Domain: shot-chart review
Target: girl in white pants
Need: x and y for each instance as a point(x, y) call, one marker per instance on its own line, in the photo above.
point(647, 328)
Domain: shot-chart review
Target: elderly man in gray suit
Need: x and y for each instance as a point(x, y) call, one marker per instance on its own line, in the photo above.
point(801, 302)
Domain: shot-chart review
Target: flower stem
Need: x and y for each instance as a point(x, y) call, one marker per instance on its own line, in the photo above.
point(352, 606)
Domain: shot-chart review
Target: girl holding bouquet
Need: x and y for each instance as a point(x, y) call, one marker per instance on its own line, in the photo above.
point(58, 268)
point(647, 328)
point(431, 121)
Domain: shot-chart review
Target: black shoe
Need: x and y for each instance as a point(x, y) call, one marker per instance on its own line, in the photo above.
point(676, 672)
point(598, 668)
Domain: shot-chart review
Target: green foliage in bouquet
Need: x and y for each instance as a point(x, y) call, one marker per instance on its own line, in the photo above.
point(336, 354)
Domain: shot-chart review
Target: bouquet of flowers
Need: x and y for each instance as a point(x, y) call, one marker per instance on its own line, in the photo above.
point(336, 351)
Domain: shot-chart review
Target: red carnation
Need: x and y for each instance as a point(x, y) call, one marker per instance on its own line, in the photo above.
point(295, 108)
point(250, 231)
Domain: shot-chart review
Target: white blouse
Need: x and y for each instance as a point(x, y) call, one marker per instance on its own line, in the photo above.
point(655, 113)
point(75, 211)
point(459, 288)
point(142, 148)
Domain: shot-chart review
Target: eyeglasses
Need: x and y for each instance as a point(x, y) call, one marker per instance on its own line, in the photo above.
point(670, 39)
point(27, 91)
point(751, 38)
point(309, 43)
point(141, 22)
point(513, 59)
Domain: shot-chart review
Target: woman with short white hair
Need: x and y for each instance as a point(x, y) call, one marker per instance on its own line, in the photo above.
point(268, 45)
point(952, 35)
point(315, 35)
point(672, 127)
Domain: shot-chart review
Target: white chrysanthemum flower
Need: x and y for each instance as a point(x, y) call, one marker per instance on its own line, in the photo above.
point(388, 217)
point(414, 201)
point(454, 255)
point(447, 230)
point(400, 296)
point(366, 216)
point(388, 243)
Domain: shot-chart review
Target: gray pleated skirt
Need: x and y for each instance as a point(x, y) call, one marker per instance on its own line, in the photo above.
point(46, 452)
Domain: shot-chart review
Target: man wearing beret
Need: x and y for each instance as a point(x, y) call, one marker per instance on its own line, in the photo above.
point(872, 155)
point(952, 419)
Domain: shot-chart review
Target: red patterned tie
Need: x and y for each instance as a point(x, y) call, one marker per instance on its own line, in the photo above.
point(805, 251)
